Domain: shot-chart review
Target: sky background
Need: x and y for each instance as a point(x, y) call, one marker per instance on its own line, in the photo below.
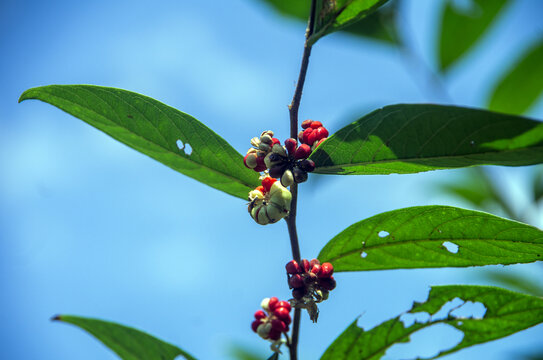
point(90, 227)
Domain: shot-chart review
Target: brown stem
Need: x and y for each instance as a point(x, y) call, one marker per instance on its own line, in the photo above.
point(291, 219)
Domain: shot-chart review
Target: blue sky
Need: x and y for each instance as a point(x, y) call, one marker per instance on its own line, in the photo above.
point(93, 228)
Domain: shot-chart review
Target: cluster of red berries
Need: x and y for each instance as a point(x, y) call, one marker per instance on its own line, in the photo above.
point(313, 134)
point(288, 163)
point(274, 320)
point(311, 281)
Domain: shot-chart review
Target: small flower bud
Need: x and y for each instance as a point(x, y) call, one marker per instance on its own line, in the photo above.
point(326, 270)
point(302, 152)
point(316, 124)
point(296, 281)
point(293, 268)
point(306, 124)
point(291, 144)
point(259, 314)
point(287, 179)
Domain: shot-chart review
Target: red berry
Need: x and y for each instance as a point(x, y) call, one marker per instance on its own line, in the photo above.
point(255, 324)
point(316, 269)
point(261, 189)
point(314, 261)
point(326, 270)
point(274, 334)
point(267, 183)
point(284, 304)
point(302, 152)
point(306, 123)
point(283, 314)
point(320, 142)
point(260, 165)
point(300, 135)
point(279, 325)
point(260, 315)
point(296, 281)
point(305, 265)
point(328, 283)
point(316, 124)
point(293, 267)
point(273, 303)
point(275, 141)
point(291, 144)
point(306, 134)
point(321, 133)
point(298, 293)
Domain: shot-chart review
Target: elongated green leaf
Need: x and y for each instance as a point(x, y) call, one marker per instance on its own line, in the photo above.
point(461, 28)
point(506, 313)
point(516, 282)
point(430, 237)
point(127, 342)
point(335, 15)
point(522, 86)
point(413, 138)
point(156, 130)
point(379, 25)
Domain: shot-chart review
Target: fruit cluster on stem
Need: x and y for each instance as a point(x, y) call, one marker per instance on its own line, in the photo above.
point(272, 321)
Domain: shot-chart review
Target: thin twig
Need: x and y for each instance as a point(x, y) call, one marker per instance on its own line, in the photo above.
point(291, 219)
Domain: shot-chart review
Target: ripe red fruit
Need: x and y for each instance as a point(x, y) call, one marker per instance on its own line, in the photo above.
point(298, 293)
point(321, 133)
point(274, 334)
point(296, 281)
point(305, 265)
point(275, 141)
point(267, 183)
point(260, 315)
point(300, 135)
point(284, 304)
point(255, 324)
point(261, 189)
point(307, 165)
point(326, 270)
point(316, 269)
point(306, 124)
point(273, 303)
point(328, 283)
point(260, 165)
point(302, 152)
point(291, 144)
point(316, 124)
point(313, 262)
point(279, 325)
point(283, 314)
point(293, 267)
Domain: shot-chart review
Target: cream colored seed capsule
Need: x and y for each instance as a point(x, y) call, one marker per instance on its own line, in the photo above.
point(264, 147)
point(266, 139)
point(255, 141)
point(264, 304)
point(287, 179)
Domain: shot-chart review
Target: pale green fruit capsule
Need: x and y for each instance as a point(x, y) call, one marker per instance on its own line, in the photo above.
point(287, 179)
point(280, 196)
point(263, 330)
point(264, 147)
point(278, 149)
point(267, 132)
point(266, 139)
point(274, 213)
point(255, 142)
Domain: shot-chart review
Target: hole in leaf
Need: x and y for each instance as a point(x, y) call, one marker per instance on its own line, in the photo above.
point(363, 254)
point(451, 247)
point(185, 147)
point(459, 323)
point(475, 310)
point(383, 233)
point(409, 319)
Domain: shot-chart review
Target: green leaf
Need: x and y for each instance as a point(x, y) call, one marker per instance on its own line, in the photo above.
point(154, 129)
point(127, 342)
point(517, 282)
point(431, 237)
point(335, 15)
point(380, 25)
point(413, 138)
point(537, 184)
point(506, 313)
point(522, 85)
point(461, 28)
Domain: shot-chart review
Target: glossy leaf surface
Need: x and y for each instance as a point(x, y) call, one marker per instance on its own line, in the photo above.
point(413, 138)
point(157, 130)
point(126, 342)
point(506, 313)
point(522, 86)
point(461, 27)
point(431, 237)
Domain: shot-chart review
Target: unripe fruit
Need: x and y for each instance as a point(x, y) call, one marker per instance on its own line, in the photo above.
point(259, 314)
point(278, 325)
point(283, 314)
point(305, 265)
point(267, 183)
point(279, 150)
point(265, 304)
point(264, 147)
point(307, 165)
point(301, 136)
point(263, 330)
point(273, 303)
point(277, 171)
point(316, 124)
point(313, 262)
point(298, 294)
point(266, 139)
point(326, 270)
point(250, 161)
point(274, 335)
point(260, 164)
point(255, 324)
point(302, 152)
point(321, 133)
point(291, 144)
point(316, 269)
point(296, 281)
point(261, 189)
point(293, 268)
point(287, 179)
point(306, 124)
point(284, 304)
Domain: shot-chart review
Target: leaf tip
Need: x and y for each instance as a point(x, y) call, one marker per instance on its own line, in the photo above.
point(24, 96)
point(56, 318)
